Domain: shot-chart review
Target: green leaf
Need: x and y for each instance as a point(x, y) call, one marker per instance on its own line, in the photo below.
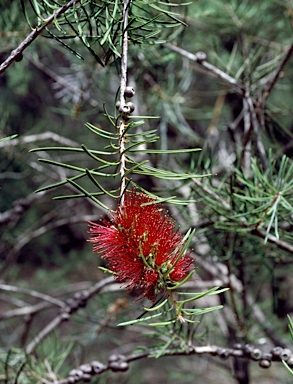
point(8, 138)
point(212, 291)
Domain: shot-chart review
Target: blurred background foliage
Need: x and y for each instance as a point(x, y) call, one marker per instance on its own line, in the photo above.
point(243, 211)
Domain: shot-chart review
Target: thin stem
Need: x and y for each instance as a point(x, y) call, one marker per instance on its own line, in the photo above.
point(123, 82)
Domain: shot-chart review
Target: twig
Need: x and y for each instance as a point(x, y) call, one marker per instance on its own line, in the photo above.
point(25, 311)
point(200, 58)
point(273, 239)
point(32, 293)
point(39, 137)
point(246, 146)
point(16, 53)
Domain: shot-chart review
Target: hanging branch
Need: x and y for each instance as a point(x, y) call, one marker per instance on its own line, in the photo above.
point(16, 54)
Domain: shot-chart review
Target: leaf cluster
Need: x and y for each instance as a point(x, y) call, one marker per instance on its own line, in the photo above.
point(172, 312)
point(98, 25)
point(107, 162)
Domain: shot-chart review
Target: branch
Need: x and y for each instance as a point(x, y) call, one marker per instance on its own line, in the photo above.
point(273, 239)
point(38, 137)
point(32, 293)
point(200, 58)
point(69, 307)
point(120, 363)
point(19, 206)
point(17, 53)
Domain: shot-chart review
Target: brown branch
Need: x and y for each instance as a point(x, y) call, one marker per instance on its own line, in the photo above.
point(16, 53)
point(273, 239)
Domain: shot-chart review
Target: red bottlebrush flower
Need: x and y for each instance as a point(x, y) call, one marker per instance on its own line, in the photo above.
point(142, 246)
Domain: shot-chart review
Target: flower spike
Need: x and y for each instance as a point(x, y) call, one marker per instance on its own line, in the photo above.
point(142, 246)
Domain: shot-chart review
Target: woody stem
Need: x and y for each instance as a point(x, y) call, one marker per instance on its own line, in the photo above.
point(123, 117)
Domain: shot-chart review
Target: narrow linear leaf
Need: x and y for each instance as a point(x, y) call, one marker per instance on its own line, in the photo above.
point(77, 186)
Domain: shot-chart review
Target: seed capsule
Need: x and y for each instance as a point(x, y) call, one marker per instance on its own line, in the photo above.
point(201, 56)
point(129, 92)
point(264, 363)
point(285, 354)
point(86, 368)
point(130, 106)
point(97, 366)
point(86, 378)
point(256, 354)
point(248, 348)
point(276, 352)
point(223, 353)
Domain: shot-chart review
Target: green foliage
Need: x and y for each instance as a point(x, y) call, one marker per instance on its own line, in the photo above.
point(171, 313)
point(109, 169)
point(99, 24)
point(266, 199)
